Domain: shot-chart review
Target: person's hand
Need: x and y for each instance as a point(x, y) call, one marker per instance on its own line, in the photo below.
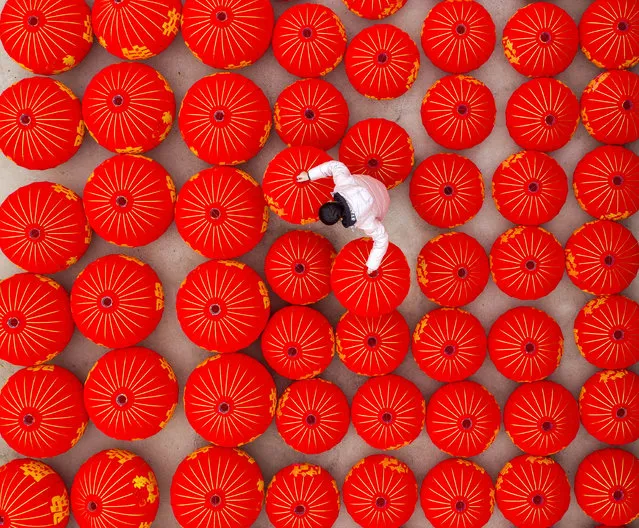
point(302, 177)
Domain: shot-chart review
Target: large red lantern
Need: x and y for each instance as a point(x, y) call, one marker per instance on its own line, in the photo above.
point(131, 393)
point(223, 306)
point(374, 9)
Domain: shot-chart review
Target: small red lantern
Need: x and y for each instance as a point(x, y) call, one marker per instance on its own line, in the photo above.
point(131, 393)
point(221, 213)
point(374, 10)
point(117, 301)
point(225, 119)
point(223, 306)
point(449, 344)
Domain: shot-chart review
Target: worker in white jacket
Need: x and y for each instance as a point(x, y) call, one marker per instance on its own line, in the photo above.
point(359, 201)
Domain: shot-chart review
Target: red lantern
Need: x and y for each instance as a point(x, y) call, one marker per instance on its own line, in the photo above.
point(457, 493)
point(447, 190)
point(311, 112)
point(380, 492)
point(372, 346)
point(41, 411)
point(302, 494)
point(298, 267)
point(529, 188)
point(452, 269)
point(46, 38)
point(449, 344)
point(138, 29)
point(382, 62)
point(610, 107)
point(374, 10)
point(607, 332)
point(526, 262)
point(296, 202)
point(373, 294)
point(602, 257)
point(458, 36)
point(458, 112)
point(607, 484)
point(540, 40)
point(226, 34)
point(532, 491)
point(230, 399)
point(223, 306)
point(388, 412)
point(115, 488)
point(217, 486)
point(312, 416)
point(309, 40)
point(117, 301)
point(43, 228)
point(221, 212)
point(40, 123)
point(129, 200)
point(542, 114)
point(32, 494)
point(131, 393)
point(609, 406)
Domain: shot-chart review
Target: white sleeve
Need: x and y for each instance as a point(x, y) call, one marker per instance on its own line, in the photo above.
point(335, 169)
point(375, 230)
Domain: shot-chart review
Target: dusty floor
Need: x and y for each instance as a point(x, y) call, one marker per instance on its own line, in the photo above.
point(172, 259)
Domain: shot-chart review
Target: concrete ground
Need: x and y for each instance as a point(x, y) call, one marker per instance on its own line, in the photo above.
point(172, 259)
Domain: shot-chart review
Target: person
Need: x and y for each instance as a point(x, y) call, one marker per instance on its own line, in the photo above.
point(359, 201)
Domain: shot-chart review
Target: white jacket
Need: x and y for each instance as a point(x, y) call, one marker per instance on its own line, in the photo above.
point(367, 199)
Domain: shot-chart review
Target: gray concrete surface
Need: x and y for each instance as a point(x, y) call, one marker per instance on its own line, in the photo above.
point(172, 259)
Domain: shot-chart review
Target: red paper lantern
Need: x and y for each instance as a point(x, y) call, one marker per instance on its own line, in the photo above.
point(607, 332)
point(46, 38)
point(449, 344)
point(529, 188)
point(43, 228)
point(382, 62)
point(609, 34)
point(131, 393)
point(372, 294)
point(309, 40)
point(447, 190)
point(230, 399)
point(380, 492)
point(117, 301)
point(607, 484)
point(115, 488)
point(372, 346)
point(452, 269)
point(376, 9)
point(525, 344)
point(458, 36)
point(302, 494)
point(526, 262)
point(540, 40)
point(532, 491)
point(388, 412)
point(223, 306)
point(217, 486)
point(298, 267)
point(610, 107)
point(602, 257)
point(462, 419)
point(32, 494)
point(129, 200)
point(312, 416)
point(225, 119)
point(226, 34)
point(221, 212)
point(311, 112)
point(457, 493)
point(458, 112)
point(138, 29)
point(378, 148)
point(609, 406)
point(41, 123)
